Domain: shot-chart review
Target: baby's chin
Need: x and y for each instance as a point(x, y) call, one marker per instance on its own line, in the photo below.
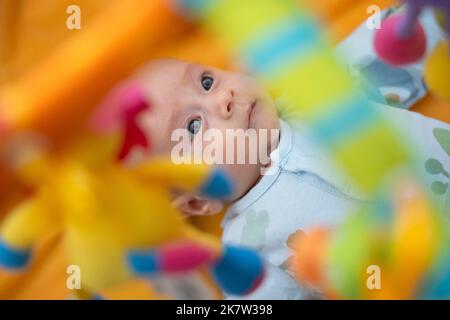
point(245, 177)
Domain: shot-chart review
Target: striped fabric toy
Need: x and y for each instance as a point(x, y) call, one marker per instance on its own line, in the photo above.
point(280, 42)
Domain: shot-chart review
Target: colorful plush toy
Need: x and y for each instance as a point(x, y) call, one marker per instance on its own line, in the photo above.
point(396, 250)
point(282, 44)
point(119, 223)
point(402, 40)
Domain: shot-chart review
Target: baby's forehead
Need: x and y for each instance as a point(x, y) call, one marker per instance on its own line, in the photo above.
point(161, 78)
point(162, 68)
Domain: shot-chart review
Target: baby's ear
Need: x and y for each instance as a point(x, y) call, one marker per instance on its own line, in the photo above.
point(197, 206)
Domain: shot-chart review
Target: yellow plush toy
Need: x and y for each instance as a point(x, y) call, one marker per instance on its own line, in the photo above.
point(437, 67)
point(437, 71)
point(118, 222)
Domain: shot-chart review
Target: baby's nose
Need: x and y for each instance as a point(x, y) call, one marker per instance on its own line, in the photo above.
point(224, 101)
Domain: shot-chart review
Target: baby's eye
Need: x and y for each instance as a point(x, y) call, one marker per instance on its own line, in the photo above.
point(194, 126)
point(207, 82)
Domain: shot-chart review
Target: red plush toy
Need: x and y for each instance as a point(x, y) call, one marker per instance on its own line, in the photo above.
point(397, 48)
point(401, 39)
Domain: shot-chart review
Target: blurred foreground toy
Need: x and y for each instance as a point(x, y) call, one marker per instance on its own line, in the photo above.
point(117, 222)
point(402, 40)
point(395, 250)
point(281, 42)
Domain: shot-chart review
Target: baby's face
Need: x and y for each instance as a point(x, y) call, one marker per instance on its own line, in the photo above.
point(197, 98)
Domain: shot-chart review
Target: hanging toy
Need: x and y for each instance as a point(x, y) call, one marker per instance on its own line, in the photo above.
point(398, 46)
point(402, 40)
point(118, 223)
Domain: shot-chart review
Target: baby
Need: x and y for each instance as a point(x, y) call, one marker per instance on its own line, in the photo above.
point(276, 199)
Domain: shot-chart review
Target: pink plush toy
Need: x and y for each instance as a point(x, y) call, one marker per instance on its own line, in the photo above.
point(401, 39)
